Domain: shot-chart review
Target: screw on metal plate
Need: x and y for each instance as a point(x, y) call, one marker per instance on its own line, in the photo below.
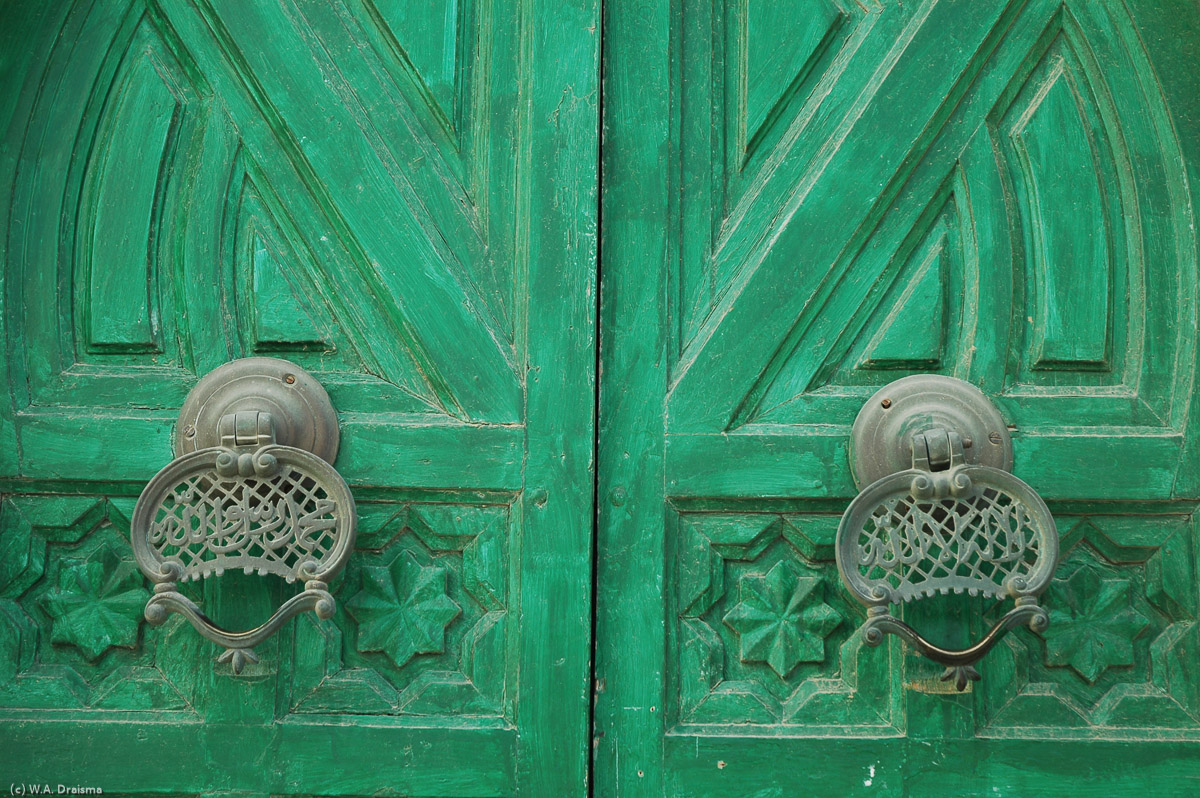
point(953, 520)
point(253, 488)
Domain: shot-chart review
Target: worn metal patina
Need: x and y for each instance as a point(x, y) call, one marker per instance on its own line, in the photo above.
point(945, 525)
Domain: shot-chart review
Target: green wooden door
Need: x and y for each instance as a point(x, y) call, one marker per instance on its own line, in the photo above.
point(803, 202)
point(401, 198)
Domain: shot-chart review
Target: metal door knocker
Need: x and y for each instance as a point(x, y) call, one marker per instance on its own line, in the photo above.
point(252, 488)
point(941, 512)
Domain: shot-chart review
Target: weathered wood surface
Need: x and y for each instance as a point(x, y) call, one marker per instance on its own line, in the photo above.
point(803, 202)
point(400, 197)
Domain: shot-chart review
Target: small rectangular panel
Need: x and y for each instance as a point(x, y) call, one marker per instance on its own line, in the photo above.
point(785, 465)
point(372, 453)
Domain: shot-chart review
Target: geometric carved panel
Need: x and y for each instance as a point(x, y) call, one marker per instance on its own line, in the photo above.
point(917, 317)
point(756, 74)
point(432, 50)
point(1120, 655)
point(123, 292)
point(764, 634)
point(71, 600)
point(180, 195)
point(280, 305)
point(1059, 148)
point(778, 46)
point(1023, 170)
point(422, 631)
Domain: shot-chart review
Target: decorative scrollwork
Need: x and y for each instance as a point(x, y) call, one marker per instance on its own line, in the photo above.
point(274, 516)
point(270, 510)
point(984, 540)
point(921, 532)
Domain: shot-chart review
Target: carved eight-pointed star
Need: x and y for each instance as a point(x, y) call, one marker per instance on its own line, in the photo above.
point(403, 610)
point(98, 603)
point(1092, 624)
point(780, 619)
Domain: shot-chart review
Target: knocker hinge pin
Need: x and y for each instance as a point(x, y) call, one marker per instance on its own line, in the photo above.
point(937, 449)
point(246, 428)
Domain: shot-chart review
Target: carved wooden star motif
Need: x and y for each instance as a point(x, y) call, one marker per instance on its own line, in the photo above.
point(98, 603)
point(780, 619)
point(402, 609)
point(1092, 623)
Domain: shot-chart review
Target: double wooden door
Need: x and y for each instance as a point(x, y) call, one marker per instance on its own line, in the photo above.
point(736, 220)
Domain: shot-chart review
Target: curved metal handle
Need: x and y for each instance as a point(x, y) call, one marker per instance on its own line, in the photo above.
point(249, 502)
point(959, 662)
point(944, 525)
point(239, 646)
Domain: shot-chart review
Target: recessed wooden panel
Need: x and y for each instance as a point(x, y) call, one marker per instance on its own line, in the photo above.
point(912, 334)
point(71, 603)
point(1117, 658)
point(280, 319)
point(121, 267)
point(780, 45)
point(914, 311)
point(425, 632)
point(281, 306)
point(1056, 145)
point(758, 86)
point(428, 35)
point(762, 634)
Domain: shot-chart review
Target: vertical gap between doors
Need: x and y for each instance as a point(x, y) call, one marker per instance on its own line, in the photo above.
point(591, 711)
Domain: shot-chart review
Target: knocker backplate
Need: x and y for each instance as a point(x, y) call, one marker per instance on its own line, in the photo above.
point(300, 409)
point(881, 440)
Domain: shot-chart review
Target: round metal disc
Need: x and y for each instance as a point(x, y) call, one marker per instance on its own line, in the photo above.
point(300, 409)
point(881, 440)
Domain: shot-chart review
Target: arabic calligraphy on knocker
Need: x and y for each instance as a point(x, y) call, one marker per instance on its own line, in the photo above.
point(231, 523)
point(991, 534)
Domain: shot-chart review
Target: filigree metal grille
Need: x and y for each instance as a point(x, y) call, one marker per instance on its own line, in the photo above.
point(208, 523)
point(977, 544)
point(270, 510)
point(943, 527)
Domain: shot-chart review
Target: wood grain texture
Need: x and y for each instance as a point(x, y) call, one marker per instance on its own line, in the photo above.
point(398, 196)
point(915, 203)
point(800, 203)
point(630, 695)
point(562, 45)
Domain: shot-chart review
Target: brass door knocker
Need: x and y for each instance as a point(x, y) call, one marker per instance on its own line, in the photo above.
point(252, 488)
point(955, 520)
